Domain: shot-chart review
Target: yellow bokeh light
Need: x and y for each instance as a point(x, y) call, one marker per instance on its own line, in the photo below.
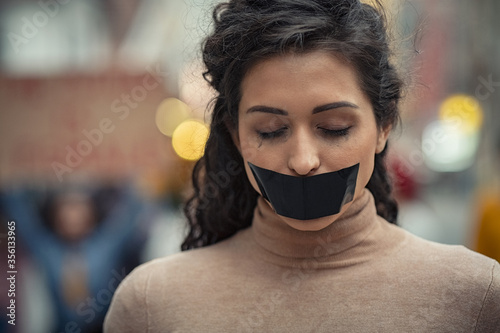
point(170, 113)
point(463, 111)
point(189, 139)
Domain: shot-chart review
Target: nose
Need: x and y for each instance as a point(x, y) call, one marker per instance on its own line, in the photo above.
point(304, 157)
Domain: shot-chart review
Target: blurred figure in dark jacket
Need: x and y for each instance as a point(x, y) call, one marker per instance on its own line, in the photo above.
point(85, 241)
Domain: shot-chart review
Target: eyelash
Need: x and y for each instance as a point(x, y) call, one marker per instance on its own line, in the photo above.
point(336, 133)
point(273, 134)
point(280, 132)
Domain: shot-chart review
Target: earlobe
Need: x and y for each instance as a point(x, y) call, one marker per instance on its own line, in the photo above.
point(383, 135)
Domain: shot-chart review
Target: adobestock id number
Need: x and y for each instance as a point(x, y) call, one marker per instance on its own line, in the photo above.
point(11, 272)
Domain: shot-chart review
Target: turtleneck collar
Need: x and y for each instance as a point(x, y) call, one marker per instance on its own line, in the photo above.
point(344, 242)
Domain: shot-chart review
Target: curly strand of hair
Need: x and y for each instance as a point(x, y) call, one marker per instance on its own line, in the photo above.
point(381, 187)
point(212, 199)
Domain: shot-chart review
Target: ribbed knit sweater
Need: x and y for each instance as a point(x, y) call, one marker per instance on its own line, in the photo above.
point(360, 274)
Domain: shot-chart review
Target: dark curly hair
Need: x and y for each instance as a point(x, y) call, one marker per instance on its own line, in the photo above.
point(248, 31)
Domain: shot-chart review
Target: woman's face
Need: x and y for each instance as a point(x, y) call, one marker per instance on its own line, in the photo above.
point(303, 115)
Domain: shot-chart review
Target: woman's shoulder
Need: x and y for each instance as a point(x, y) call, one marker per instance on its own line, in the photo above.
point(430, 251)
point(463, 281)
point(160, 283)
point(449, 262)
point(196, 260)
point(180, 267)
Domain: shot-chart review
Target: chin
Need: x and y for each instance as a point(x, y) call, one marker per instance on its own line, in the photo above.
point(310, 225)
point(314, 224)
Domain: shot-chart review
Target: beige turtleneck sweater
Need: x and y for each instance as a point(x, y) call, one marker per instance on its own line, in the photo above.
point(360, 274)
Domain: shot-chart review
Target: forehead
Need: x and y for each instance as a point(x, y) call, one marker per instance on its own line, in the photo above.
point(316, 76)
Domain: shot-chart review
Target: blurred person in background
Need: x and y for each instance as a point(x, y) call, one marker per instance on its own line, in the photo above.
point(84, 241)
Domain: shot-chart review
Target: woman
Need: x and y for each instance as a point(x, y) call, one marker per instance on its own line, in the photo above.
point(291, 222)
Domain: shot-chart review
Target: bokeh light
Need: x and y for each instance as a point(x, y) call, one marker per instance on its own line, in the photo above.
point(189, 139)
point(170, 113)
point(463, 111)
point(448, 148)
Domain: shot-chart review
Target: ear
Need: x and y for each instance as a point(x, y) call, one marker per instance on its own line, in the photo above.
point(383, 135)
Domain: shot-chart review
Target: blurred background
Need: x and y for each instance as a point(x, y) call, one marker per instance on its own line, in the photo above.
point(103, 116)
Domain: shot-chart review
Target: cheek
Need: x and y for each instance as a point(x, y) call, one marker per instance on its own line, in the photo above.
point(366, 158)
point(249, 149)
point(366, 170)
point(251, 178)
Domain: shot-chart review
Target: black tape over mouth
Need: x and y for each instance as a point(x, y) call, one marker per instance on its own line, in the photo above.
point(306, 198)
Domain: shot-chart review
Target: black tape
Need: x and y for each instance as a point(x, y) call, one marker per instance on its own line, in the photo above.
point(306, 198)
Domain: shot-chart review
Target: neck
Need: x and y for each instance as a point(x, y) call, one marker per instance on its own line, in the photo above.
point(338, 243)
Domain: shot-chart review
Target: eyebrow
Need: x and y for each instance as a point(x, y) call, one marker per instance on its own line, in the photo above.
point(267, 109)
point(335, 105)
point(318, 109)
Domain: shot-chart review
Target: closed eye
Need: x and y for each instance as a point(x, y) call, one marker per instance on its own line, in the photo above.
point(335, 132)
point(272, 134)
